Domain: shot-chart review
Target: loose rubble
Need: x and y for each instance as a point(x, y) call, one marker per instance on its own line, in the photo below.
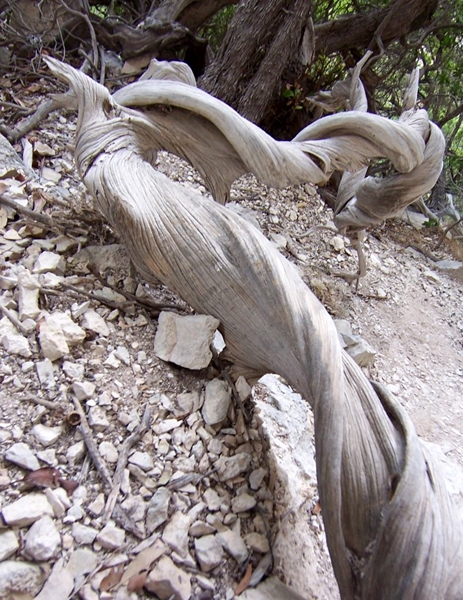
point(204, 492)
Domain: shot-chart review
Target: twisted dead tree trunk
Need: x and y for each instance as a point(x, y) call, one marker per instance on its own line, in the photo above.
point(391, 530)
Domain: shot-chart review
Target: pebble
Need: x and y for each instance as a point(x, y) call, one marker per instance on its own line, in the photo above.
point(42, 540)
point(8, 544)
point(92, 321)
point(257, 542)
point(83, 390)
point(27, 510)
point(52, 340)
point(199, 529)
point(97, 418)
point(45, 373)
point(142, 460)
point(73, 334)
point(256, 477)
point(46, 436)
point(230, 467)
point(175, 533)
point(243, 503)
point(208, 552)
point(28, 296)
point(20, 454)
point(97, 506)
point(185, 340)
point(212, 499)
point(82, 561)
point(167, 581)
point(83, 534)
point(216, 402)
point(76, 452)
point(18, 577)
point(16, 344)
point(157, 511)
point(109, 452)
point(233, 544)
point(111, 537)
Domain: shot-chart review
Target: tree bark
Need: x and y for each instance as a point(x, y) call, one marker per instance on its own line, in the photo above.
point(261, 41)
point(360, 30)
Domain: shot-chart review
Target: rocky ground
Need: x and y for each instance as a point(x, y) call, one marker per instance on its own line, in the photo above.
point(132, 467)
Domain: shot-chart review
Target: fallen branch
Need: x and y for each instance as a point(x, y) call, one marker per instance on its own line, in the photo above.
point(11, 316)
point(41, 402)
point(89, 439)
point(133, 439)
point(445, 232)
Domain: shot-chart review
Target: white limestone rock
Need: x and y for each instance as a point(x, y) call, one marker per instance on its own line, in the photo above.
point(168, 581)
point(216, 402)
point(97, 418)
point(83, 390)
point(74, 371)
point(92, 321)
point(42, 539)
point(52, 340)
point(46, 436)
point(142, 460)
point(27, 510)
point(111, 537)
point(28, 296)
point(243, 503)
point(208, 552)
point(20, 454)
point(50, 262)
point(175, 533)
point(18, 577)
point(157, 510)
point(17, 344)
point(8, 544)
point(73, 334)
point(233, 544)
point(46, 373)
point(230, 467)
point(83, 534)
point(185, 341)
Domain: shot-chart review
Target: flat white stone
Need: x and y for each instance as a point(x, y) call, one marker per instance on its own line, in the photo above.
point(208, 552)
point(17, 344)
point(8, 544)
point(185, 341)
point(92, 321)
point(28, 296)
point(73, 370)
point(109, 452)
point(20, 454)
point(42, 539)
point(97, 506)
point(27, 510)
point(83, 534)
point(142, 460)
point(46, 436)
point(123, 354)
point(111, 537)
point(49, 261)
point(217, 401)
point(243, 503)
point(97, 418)
point(233, 544)
point(82, 561)
point(166, 580)
point(52, 340)
point(73, 333)
point(19, 577)
point(76, 452)
point(83, 390)
point(157, 510)
point(230, 467)
point(175, 533)
point(59, 584)
point(46, 373)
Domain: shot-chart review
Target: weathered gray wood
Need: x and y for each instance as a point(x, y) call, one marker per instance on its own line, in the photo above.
point(391, 529)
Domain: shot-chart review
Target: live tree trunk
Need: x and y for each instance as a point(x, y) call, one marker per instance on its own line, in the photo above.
point(263, 41)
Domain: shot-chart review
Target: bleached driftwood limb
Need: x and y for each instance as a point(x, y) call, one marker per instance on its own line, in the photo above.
point(391, 530)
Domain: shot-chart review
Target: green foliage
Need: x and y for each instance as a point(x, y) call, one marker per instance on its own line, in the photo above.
point(215, 30)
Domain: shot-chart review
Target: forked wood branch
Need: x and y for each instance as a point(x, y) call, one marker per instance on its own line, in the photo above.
point(391, 529)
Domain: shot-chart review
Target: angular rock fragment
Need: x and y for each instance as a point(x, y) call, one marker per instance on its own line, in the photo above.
point(50, 262)
point(28, 296)
point(92, 321)
point(27, 510)
point(185, 341)
point(233, 544)
point(157, 510)
point(217, 401)
point(8, 544)
point(229, 467)
point(52, 340)
point(168, 581)
point(208, 552)
point(20, 454)
point(175, 533)
point(17, 577)
point(46, 436)
point(42, 539)
point(111, 537)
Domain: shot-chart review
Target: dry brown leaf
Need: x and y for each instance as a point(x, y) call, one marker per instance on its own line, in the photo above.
point(317, 509)
point(43, 478)
point(243, 584)
point(112, 578)
point(3, 187)
point(137, 582)
point(68, 484)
